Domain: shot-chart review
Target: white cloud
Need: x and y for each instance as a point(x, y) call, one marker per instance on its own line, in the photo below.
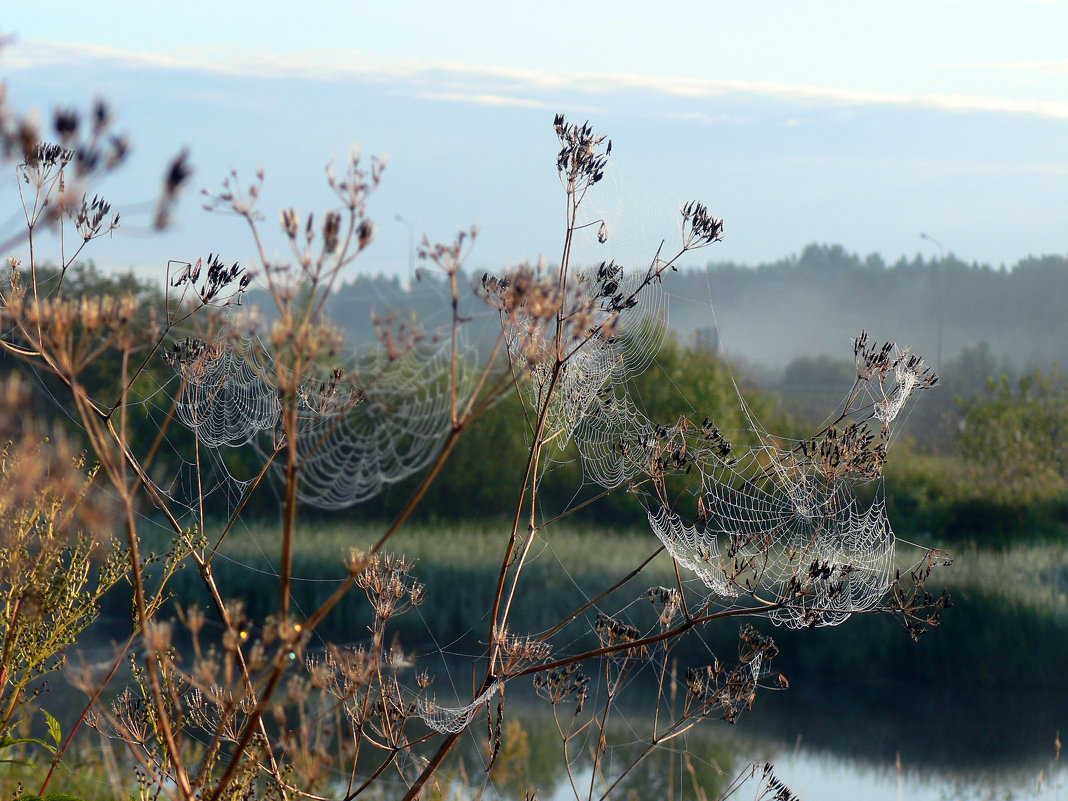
point(484, 99)
point(503, 85)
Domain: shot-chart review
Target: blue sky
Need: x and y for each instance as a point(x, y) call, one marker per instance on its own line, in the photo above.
point(850, 122)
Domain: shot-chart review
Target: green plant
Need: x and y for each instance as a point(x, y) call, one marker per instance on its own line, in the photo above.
point(52, 574)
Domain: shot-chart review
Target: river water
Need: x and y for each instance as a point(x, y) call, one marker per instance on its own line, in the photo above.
point(971, 711)
point(840, 744)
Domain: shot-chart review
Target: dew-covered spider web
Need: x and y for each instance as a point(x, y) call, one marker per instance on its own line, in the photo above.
point(800, 524)
point(447, 719)
point(616, 329)
point(226, 395)
point(392, 425)
point(359, 429)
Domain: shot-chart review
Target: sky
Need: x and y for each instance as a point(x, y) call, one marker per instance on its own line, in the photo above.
point(857, 123)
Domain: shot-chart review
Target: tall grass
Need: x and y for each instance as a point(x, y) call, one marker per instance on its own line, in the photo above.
point(1009, 624)
point(458, 563)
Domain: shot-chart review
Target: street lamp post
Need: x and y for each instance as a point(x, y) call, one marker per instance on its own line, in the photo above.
point(411, 249)
point(941, 267)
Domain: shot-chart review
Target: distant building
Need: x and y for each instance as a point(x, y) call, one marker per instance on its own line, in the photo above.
point(706, 339)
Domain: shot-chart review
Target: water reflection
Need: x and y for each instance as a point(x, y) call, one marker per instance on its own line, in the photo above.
point(716, 757)
point(962, 726)
point(972, 709)
point(827, 740)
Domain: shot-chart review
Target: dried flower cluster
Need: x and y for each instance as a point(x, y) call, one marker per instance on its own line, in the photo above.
point(729, 692)
point(562, 685)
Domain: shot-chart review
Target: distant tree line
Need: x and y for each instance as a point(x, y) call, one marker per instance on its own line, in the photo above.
point(813, 303)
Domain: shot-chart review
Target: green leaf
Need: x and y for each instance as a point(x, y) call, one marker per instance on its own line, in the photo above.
point(54, 730)
point(22, 762)
point(7, 742)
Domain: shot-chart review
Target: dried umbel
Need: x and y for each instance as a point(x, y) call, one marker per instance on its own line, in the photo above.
point(715, 689)
point(64, 333)
point(210, 280)
point(389, 586)
point(612, 632)
point(581, 160)
point(772, 788)
point(525, 294)
point(90, 218)
point(562, 684)
point(520, 651)
point(669, 601)
point(918, 609)
point(853, 451)
point(699, 227)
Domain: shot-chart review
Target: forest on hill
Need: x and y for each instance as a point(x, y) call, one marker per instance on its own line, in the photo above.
point(813, 304)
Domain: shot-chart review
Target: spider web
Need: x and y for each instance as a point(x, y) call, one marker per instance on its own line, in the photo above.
point(583, 396)
point(395, 427)
point(356, 435)
point(781, 517)
point(450, 720)
point(226, 397)
point(784, 517)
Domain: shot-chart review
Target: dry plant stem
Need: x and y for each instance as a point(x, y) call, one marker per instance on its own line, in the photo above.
point(502, 385)
point(532, 458)
point(683, 627)
point(120, 480)
point(216, 596)
point(682, 590)
point(431, 767)
point(578, 507)
point(316, 617)
point(660, 691)
point(128, 384)
point(675, 730)
point(601, 743)
point(200, 479)
point(251, 725)
point(289, 519)
point(535, 448)
point(452, 346)
point(245, 498)
point(417, 496)
point(601, 597)
point(531, 532)
point(157, 443)
point(181, 778)
point(451, 739)
point(565, 740)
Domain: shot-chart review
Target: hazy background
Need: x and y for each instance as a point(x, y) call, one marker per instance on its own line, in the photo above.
point(827, 122)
